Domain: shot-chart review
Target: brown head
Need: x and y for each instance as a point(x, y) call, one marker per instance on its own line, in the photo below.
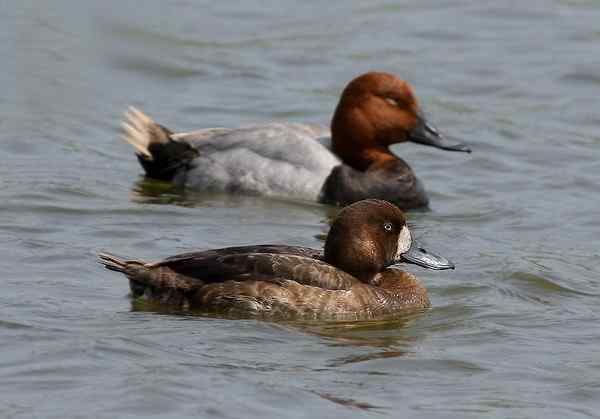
point(370, 235)
point(376, 110)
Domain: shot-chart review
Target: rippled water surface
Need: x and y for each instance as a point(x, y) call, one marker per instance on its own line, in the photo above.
point(513, 332)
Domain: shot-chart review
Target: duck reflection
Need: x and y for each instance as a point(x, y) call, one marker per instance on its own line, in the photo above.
point(152, 191)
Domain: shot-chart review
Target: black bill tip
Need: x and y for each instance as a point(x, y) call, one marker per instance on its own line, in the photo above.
point(426, 134)
point(457, 146)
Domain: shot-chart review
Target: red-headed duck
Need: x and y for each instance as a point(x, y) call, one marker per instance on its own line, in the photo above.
point(350, 162)
point(354, 277)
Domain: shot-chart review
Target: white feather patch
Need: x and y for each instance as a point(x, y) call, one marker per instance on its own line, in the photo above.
point(404, 241)
point(135, 128)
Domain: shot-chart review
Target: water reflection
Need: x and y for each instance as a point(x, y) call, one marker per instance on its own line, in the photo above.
point(369, 357)
point(152, 191)
point(390, 332)
point(279, 211)
point(352, 403)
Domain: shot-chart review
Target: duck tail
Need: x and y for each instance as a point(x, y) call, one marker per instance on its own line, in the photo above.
point(152, 282)
point(158, 152)
point(117, 264)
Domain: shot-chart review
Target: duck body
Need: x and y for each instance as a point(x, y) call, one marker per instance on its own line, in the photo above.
point(274, 159)
point(270, 281)
point(351, 279)
point(344, 164)
point(294, 160)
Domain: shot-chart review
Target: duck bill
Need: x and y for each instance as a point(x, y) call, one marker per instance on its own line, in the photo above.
point(426, 134)
point(419, 256)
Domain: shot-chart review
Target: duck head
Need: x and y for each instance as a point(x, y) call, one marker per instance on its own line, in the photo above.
point(371, 235)
point(376, 110)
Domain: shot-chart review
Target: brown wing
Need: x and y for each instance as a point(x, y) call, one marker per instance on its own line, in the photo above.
point(268, 263)
point(263, 248)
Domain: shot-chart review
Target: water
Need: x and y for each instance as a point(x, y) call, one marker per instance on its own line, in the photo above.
point(513, 332)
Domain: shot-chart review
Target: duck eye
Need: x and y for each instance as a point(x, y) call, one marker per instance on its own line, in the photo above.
point(387, 226)
point(392, 101)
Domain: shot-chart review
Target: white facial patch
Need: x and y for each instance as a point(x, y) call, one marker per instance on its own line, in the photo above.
point(404, 242)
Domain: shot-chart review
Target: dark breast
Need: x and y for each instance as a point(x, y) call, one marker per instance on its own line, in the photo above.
point(397, 184)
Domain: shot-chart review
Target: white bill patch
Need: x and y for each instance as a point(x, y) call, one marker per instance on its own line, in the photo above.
point(404, 242)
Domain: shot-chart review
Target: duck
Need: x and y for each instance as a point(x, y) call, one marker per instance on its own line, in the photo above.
point(349, 162)
point(355, 276)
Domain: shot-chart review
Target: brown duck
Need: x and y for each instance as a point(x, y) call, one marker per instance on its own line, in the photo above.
point(354, 277)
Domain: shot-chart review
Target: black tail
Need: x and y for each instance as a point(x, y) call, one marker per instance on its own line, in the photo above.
point(160, 155)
